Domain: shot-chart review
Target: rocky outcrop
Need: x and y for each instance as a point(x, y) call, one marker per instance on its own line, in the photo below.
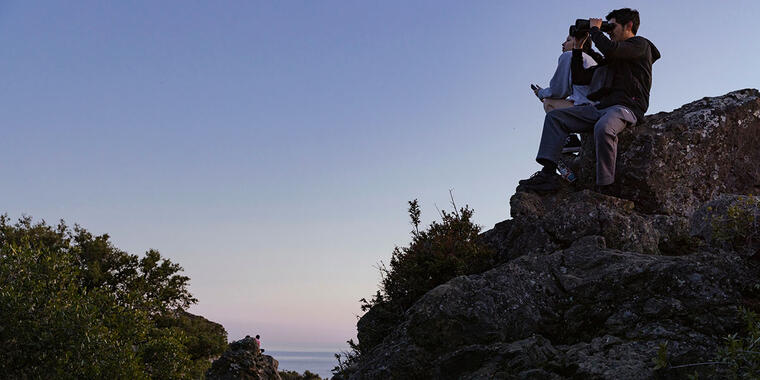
point(590, 285)
point(593, 312)
point(243, 360)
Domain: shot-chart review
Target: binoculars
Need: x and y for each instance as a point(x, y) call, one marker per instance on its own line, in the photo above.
point(582, 26)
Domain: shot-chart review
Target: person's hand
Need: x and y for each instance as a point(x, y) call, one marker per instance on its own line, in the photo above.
point(595, 22)
point(535, 88)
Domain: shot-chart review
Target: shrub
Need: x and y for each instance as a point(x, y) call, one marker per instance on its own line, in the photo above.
point(74, 306)
point(444, 250)
point(435, 255)
point(50, 328)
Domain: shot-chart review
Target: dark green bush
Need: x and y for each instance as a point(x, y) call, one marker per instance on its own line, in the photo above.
point(51, 328)
point(74, 306)
point(205, 339)
point(435, 255)
point(447, 249)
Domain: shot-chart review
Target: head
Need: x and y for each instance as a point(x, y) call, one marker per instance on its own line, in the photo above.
point(570, 43)
point(258, 337)
point(626, 22)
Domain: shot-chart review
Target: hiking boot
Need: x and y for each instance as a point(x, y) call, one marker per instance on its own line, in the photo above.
point(540, 181)
point(572, 144)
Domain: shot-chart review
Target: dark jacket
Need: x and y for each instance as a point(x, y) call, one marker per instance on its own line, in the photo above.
point(625, 76)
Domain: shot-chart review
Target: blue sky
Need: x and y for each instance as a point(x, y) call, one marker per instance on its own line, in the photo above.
point(270, 147)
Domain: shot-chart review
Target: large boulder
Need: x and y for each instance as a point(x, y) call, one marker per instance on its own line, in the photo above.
point(673, 162)
point(243, 360)
point(546, 223)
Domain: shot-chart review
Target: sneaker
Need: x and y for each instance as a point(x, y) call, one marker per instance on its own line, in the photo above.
point(572, 144)
point(540, 181)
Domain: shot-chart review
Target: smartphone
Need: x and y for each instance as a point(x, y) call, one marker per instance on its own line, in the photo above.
point(535, 89)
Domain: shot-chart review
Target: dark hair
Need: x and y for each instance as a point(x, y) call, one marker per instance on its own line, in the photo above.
point(623, 15)
point(586, 44)
point(257, 337)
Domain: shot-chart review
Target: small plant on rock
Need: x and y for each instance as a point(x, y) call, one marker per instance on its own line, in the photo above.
point(738, 358)
point(739, 227)
point(742, 352)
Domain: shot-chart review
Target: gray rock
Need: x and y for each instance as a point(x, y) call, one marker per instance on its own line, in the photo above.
point(592, 313)
point(589, 285)
point(243, 360)
point(543, 224)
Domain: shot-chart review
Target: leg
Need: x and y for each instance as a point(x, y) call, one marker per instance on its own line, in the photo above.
point(613, 120)
point(555, 104)
point(558, 124)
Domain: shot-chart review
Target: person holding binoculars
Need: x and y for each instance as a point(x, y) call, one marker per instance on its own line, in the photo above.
point(562, 92)
point(619, 86)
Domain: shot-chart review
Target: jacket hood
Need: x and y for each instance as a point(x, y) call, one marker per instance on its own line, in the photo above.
point(655, 53)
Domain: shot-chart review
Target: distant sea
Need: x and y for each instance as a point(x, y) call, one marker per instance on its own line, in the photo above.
point(320, 362)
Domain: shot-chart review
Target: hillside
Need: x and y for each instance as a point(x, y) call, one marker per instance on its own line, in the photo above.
point(593, 286)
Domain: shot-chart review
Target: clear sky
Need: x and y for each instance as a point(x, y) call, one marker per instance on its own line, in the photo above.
point(270, 147)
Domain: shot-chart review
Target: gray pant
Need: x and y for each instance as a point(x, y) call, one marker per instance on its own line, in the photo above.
point(606, 124)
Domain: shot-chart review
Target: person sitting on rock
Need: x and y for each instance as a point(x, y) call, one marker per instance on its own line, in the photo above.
point(621, 87)
point(258, 342)
point(562, 92)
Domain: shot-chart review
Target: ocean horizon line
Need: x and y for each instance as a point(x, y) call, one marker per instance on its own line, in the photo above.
point(302, 349)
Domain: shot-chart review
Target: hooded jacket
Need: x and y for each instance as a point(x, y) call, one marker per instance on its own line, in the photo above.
point(625, 76)
point(561, 85)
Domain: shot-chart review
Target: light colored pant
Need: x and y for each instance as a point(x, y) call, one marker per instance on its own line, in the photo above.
point(606, 124)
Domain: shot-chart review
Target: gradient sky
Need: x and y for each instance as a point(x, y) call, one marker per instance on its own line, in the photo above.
point(270, 147)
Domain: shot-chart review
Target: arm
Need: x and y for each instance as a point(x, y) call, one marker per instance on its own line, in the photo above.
point(559, 86)
point(581, 75)
point(631, 48)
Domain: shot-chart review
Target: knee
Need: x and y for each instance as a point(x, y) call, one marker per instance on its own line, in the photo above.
point(602, 130)
point(552, 113)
